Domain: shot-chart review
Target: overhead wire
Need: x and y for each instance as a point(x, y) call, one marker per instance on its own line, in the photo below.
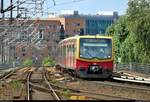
point(65, 3)
point(47, 9)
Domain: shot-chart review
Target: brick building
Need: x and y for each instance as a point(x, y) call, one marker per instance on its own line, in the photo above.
point(38, 38)
point(91, 24)
point(34, 39)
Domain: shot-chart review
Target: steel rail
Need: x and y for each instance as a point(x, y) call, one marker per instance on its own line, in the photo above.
point(76, 92)
point(7, 72)
point(7, 75)
point(137, 80)
point(28, 85)
point(89, 92)
point(50, 87)
point(114, 84)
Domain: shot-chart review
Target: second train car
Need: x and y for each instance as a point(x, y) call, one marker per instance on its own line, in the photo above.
point(87, 56)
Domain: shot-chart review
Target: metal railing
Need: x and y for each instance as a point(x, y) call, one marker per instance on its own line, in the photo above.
point(134, 67)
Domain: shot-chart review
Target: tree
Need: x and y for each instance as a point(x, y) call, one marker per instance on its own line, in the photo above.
point(131, 33)
point(119, 32)
point(138, 15)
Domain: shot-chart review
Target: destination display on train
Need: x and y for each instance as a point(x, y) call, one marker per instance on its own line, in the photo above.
point(95, 44)
point(97, 40)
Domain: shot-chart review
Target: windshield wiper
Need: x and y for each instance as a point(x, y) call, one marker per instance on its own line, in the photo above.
point(90, 55)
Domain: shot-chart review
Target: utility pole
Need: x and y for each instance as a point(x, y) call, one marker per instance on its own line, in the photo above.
point(2, 6)
point(17, 7)
point(2, 43)
point(2, 46)
point(2, 9)
point(11, 11)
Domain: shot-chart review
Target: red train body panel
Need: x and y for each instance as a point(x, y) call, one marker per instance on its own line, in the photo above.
point(95, 60)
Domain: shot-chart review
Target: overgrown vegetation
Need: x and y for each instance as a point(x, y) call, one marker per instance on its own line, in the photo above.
point(47, 61)
point(28, 62)
point(66, 93)
point(131, 33)
point(16, 84)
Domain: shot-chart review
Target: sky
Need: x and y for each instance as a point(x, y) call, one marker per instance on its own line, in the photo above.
point(89, 6)
point(83, 6)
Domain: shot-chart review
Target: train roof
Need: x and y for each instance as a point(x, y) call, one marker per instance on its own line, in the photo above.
point(85, 36)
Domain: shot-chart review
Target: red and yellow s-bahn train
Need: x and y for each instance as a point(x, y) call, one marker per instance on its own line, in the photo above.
point(87, 56)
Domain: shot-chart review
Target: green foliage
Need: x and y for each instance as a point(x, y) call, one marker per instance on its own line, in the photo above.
point(16, 84)
point(131, 33)
point(27, 62)
point(119, 31)
point(139, 23)
point(66, 93)
point(47, 61)
point(127, 50)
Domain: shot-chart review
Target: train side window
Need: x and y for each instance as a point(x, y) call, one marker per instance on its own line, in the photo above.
point(68, 49)
point(64, 50)
point(73, 48)
point(60, 51)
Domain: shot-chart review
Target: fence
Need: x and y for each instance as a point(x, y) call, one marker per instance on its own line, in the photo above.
point(134, 67)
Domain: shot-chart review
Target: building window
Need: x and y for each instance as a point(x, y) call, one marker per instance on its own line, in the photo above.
point(50, 26)
point(54, 26)
point(23, 54)
point(47, 39)
point(78, 24)
point(67, 24)
point(49, 34)
point(57, 27)
point(42, 26)
point(23, 49)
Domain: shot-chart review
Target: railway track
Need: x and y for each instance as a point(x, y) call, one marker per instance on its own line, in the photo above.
point(48, 84)
point(34, 88)
point(89, 94)
point(12, 84)
point(79, 91)
point(51, 88)
point(28, 86)
point(6, 75)
point(17, 74)
point(131, 78)
point(115, 89)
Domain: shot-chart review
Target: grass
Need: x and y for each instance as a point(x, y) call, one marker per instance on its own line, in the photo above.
point(16, 84)
point(66, 93)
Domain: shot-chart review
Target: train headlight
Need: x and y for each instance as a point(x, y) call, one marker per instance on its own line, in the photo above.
point(94, 68)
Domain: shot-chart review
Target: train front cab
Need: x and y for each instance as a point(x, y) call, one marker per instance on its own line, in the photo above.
point(93, 68)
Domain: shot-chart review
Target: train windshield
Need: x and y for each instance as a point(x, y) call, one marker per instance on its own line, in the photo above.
point(99, 48)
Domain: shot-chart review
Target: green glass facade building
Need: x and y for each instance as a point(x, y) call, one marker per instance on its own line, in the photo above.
point(95, 24)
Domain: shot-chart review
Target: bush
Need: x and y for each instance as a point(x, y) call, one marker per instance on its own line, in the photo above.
point(48, 62)
point(27, 62)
